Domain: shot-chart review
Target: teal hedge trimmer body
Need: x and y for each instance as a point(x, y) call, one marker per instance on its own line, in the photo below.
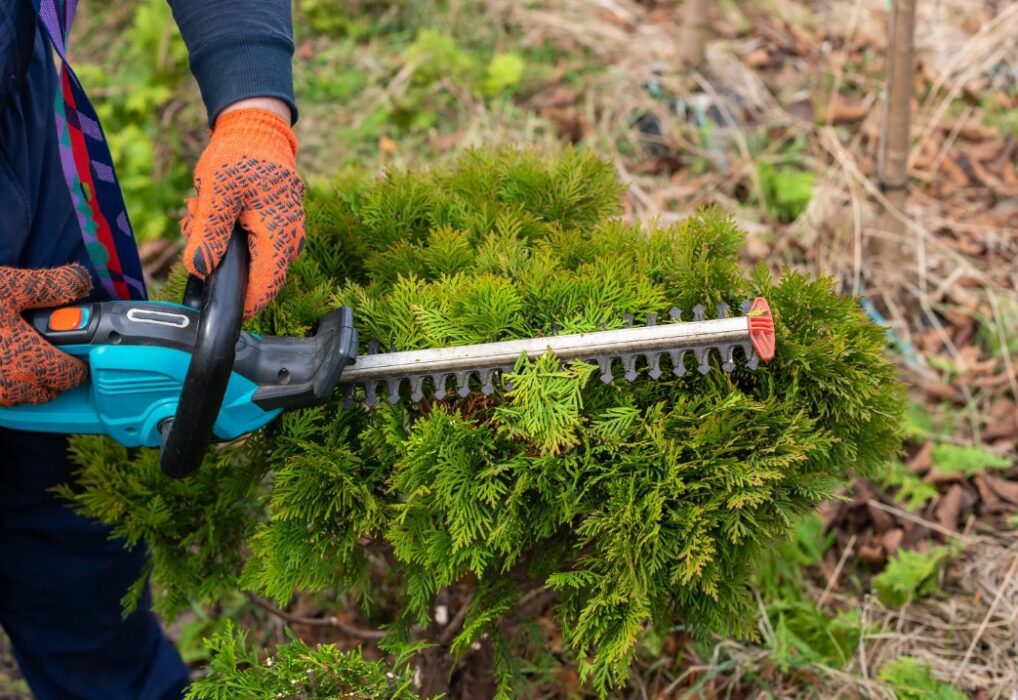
point(178, 376)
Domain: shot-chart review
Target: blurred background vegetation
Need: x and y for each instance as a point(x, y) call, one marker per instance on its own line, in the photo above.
point(378, 83)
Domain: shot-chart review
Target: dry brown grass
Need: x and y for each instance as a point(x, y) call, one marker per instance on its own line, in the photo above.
point(968, 637)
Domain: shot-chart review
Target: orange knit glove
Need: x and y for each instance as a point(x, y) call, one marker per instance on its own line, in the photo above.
point(248, 172)
point(32, 370)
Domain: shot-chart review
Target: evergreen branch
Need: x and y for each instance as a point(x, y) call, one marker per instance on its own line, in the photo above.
point(296, 671)
point(330, 621)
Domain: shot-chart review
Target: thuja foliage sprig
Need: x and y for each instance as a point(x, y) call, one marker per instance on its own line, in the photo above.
point(296, 672)
point(634, 506)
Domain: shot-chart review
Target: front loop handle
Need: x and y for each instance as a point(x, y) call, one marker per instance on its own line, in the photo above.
point(220, 303)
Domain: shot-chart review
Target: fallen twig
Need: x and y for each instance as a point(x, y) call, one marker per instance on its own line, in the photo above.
point(928, 524)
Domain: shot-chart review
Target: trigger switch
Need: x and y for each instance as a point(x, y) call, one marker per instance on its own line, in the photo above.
point(69, 318)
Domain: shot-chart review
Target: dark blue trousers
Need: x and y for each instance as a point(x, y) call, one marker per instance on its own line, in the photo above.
point(61, 575)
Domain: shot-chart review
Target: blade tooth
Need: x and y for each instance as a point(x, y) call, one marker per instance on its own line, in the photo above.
point(675, 313)
point(503, 373)
point(746, 305)
point(655, 366)
point(463, 383)
point(417, 388)
point(628, 319)
point(651, 319)
point(393, 387)
point(370, 394)
point(748, 354)
point(373, 346)
point(727, 357)
point(348, 396)
point(629, 365)
point(678, 362)
point(703, 360)
point(723, 310)
point(605, 365)
point(698, 312)
point(439, 380)
point(488, 382)
point(753, 360)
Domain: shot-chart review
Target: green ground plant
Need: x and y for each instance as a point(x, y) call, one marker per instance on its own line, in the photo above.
point(910, 575)
point(964, 461)
point(635, 507)
point(911, 680)
point(788, 190)
point(908, 488)
point(967, 460)
point(803, 633)
point(442, 67)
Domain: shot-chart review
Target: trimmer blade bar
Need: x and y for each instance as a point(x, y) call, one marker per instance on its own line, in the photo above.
point(655, 350)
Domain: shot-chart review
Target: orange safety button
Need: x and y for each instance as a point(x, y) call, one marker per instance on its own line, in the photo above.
point(66, 319)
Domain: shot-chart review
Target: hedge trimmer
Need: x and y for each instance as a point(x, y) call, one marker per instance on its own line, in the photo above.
point(178, 376)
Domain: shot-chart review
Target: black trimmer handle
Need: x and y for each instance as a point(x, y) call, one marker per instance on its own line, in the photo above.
point(220, 304)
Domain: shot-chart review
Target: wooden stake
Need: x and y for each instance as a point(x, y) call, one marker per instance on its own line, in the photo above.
point(693, 39)
point(895, 138)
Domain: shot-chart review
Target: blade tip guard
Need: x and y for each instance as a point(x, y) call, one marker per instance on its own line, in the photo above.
point(761, 329)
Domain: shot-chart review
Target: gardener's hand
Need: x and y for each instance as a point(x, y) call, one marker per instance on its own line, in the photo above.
point(32, 370)
point(248, 174)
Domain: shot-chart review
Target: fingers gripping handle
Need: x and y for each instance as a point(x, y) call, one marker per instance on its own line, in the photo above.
point(186, 438)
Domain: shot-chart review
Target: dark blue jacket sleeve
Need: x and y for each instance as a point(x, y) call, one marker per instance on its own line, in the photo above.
point(238, 49)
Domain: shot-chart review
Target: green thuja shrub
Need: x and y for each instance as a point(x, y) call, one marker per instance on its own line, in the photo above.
point(628, 508)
